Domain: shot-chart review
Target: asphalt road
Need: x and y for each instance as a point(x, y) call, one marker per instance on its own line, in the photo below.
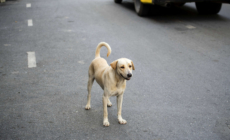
point(180, 89)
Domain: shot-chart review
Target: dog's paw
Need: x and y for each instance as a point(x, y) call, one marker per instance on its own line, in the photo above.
point(106, 123)
point(122, 121)
point(87, 107)
point(109, 104)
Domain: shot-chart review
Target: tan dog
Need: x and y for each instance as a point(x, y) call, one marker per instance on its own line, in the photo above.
point(112, 80)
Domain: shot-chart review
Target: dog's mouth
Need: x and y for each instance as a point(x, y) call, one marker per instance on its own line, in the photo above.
point(128, 78)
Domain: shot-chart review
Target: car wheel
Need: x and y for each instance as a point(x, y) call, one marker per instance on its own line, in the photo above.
point(117, 1)
point(208, 7)
point(140, 8)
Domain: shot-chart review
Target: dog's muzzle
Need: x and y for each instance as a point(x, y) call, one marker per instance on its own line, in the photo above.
point(129, 75)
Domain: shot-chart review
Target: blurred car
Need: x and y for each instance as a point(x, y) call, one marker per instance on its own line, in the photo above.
point(142, 7)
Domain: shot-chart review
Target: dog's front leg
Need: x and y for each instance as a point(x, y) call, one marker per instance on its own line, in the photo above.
point(105, 100)
point(119, 109)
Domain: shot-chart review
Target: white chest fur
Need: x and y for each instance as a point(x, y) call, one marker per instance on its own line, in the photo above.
point(116, 92)
point(117, 89)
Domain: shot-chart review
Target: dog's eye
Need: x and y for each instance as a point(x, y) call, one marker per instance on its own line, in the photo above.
point(122, 67)
point(130, 66)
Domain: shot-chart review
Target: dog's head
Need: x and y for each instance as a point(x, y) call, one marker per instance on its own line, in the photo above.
point(123, 67)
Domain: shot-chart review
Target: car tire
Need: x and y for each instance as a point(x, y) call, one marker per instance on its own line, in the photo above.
point(141, 9)
point(118, 1)
point(208, 7)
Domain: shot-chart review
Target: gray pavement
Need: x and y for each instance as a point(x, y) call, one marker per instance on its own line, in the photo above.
point(180, 89)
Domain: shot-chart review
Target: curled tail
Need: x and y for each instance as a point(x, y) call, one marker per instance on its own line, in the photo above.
point(97, 54)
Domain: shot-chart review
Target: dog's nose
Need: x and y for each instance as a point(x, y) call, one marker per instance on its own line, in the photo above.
point(129, 75)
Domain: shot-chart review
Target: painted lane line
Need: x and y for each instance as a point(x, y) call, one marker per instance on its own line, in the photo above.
point(30, 22)
point(81, 62)
point(28, 5)
point(7, 44)
point(190, 27)
point(31, 60)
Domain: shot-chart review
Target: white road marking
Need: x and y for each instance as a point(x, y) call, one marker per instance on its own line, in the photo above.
point(31, 60)
point(28, 5)
point(7, 44)
point(81, 62)
point(30, 22)
point(15, 72)
point(67, 30)
point(190, 27)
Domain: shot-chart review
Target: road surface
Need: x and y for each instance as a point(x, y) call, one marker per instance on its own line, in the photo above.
point(181, 84)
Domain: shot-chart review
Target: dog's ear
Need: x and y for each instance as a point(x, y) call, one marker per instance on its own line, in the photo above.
point(133, 65)
point(114, 64)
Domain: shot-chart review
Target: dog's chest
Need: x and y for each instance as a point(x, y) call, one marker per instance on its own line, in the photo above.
point(117, 90)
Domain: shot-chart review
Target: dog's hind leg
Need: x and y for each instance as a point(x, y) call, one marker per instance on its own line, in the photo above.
point(89, 87)
point(105, 119)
